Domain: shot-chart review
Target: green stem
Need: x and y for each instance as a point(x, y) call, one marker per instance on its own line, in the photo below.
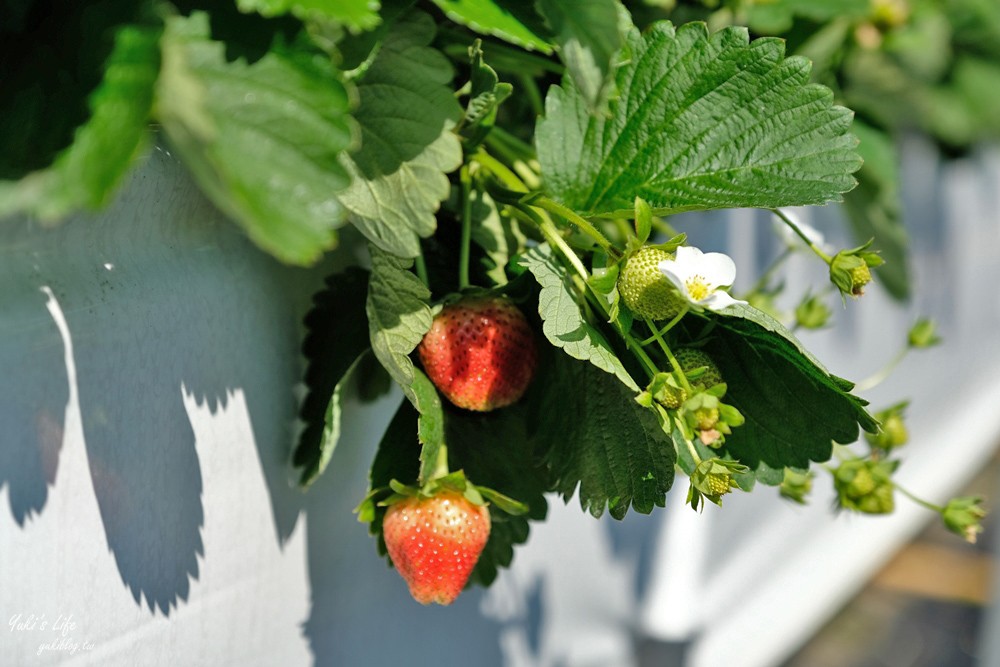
point(521, 149)
point(670, 325)
point(534, 95)
point(765, 277)
point(440, 466)
point(670, 355)
point(571, 216)
point(805, 239)
point(421, 266)
point(463, 261)
point(501, 171)
point(692, 450)
point(877, 378)
point(522, 169)
point(920, 501)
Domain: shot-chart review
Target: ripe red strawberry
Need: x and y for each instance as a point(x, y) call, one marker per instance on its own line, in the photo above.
point(480, 352)
point(435, 542)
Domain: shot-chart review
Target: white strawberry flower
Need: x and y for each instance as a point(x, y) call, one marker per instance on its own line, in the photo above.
point(700, 277)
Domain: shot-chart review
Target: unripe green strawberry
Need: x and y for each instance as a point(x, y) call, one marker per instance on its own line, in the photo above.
point(672, 397)
point(435, 543)
point(717, 484)
point(690, 358)
point(480, 353)
point(644, 288)
point(706, 418)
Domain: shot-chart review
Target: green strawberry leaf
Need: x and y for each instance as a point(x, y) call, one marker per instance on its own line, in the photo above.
point(486, 94)
point(357, 15)
point(335, 345)
point(563, 323)
point(500, 238)
point(589, 34)
point(793, 407)
point(398, 316)
point(600, 440)
point(85, 174)
point(430, 424)
point(406, 112)
point(875, 208)
point(701, 122)
point(262, 140)
point(513, 21)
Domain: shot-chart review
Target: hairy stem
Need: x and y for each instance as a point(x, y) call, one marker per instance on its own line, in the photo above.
point(571, 216)
point(463, 262)
point(805, 239)
point(670, 355)
point(878, 377)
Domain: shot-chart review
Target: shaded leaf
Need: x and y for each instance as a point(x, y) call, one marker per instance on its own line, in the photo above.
point(600, 440)
point(85, 174)
point(406, 112)
point(334, 347)
point(514, 21)
point(430, 423)
point(398, 315)
point(589, 34)
point(263, 140)
point(357, 15)
point(793, 407)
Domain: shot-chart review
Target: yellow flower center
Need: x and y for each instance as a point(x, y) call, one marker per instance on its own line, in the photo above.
point(697, 288)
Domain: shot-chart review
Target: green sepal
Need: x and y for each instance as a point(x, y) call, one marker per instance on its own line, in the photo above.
point(643, 220)
point(503, 502)
point(607, 280)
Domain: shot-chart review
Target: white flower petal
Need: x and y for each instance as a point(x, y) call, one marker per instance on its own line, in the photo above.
point(688, 256)
point(719, 300)
point(675, 273)
point(718, 269)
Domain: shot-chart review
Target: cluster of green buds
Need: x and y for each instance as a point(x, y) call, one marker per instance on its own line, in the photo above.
point(865, 485)
point(706, 414)
point(796, 485)
point(695, 394)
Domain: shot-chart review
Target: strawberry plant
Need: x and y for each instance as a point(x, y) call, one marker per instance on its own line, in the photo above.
point(511, 171)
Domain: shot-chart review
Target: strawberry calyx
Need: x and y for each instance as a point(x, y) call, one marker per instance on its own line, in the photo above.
point(452, 482)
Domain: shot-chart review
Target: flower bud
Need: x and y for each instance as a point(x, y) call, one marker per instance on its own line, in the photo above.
point(923, 334)
point(963, 517)
point(850, 269)
point(893, 432)
point(865, 485)
point(796, 485)
point(812, 313)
